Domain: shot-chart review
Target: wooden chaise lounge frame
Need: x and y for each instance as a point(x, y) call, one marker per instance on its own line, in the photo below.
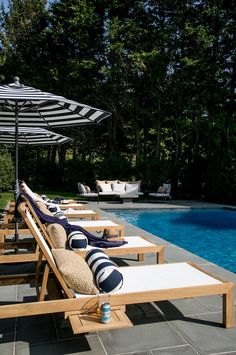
point(78, 308)
point(132, 247)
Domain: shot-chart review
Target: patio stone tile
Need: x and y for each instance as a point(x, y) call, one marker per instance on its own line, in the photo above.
point(63, 328)
point(212, 303)
point(26, 293)
point(150, 331)
point(89, 345)
point(176, 254)
point(6, 326)
point(178, 350)
point(7, 344)
point(140, 338)
point(207, 334)
point(181, 308)
point(8, 293)
point(148, 352)
point(35, 329)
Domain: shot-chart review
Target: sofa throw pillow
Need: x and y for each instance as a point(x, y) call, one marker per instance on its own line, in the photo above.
point(111, 181)
point(107, 276)
point(81, 188)
point(57, 234)
point(131, 188)
point(138, 182)
point(87, 188)
point(161, 189)
point(98, 183)
point(167, 187)
point(105, 187)
point(75, 271)
point(118, 187)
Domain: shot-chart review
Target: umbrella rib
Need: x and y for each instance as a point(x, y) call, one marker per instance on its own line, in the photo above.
point(7, 107)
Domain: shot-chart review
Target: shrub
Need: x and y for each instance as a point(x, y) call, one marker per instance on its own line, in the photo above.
point(6, 171)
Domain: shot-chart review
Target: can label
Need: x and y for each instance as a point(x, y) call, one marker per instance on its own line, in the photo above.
point(105, 312)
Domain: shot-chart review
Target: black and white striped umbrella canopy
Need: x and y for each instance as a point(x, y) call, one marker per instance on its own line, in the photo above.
point(24, 106)
point(35, 108)
point(31, 136)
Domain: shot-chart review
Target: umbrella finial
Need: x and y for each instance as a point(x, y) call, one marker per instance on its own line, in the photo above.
point(16, 80)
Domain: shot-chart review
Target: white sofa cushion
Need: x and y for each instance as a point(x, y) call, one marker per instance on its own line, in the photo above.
point(118, 187)
point(132, 188)
point(105, 187)
point(81, 188)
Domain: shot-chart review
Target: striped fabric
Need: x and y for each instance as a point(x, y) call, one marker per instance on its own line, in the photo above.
point(42, 109)
point(31, 136)
point(77, 240)
point(106, 274)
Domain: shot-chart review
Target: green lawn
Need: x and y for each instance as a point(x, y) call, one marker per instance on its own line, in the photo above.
point(6, 196)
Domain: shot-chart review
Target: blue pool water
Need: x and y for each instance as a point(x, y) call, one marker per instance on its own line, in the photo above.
point(209, 233)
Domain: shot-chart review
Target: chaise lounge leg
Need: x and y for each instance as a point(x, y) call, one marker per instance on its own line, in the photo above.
point(140, 257)
point(160, 255)
point(228, 308)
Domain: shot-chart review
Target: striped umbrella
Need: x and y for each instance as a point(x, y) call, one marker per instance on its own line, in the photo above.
point(31, 136)
point(22, 105)
point(34, 108)
point(26, 106)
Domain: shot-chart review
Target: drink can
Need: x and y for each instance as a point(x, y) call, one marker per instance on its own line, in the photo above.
point(105, 312)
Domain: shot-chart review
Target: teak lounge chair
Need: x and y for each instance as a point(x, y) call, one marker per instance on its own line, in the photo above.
point(141, 284)
point(136, 245)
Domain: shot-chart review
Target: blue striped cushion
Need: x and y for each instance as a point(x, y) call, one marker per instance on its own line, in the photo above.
point(106, 274)
point(60, 215)
point(54, 208)
point(77, 240)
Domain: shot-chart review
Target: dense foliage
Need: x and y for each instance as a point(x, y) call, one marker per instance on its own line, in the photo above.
point(6, 170)
point(165, 69)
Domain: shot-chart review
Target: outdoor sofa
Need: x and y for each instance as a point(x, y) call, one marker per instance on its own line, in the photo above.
point(127, 191)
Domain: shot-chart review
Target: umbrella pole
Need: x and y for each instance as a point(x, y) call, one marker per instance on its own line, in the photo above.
point(16, 168)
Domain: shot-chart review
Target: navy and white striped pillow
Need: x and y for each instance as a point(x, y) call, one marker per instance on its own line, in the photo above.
point(54, 208)
point(60, 215)
point(107, 276)
point(77, 240)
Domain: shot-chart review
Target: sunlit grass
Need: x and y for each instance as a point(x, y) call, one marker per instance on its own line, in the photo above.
point(6, 196)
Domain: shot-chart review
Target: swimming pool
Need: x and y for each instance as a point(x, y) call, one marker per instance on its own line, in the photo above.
point(209, 233)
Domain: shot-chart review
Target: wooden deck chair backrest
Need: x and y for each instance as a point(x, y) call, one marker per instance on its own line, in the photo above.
point(44, 247)
point(38, 222)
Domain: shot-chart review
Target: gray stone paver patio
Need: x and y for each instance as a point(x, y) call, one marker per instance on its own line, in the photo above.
point(180, 327)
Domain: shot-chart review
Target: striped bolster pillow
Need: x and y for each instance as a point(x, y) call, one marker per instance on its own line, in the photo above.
point(77, 240)
point(107, 276)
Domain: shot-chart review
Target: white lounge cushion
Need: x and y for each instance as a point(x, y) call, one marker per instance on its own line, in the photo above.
point(162, 277)
point(99, 223)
